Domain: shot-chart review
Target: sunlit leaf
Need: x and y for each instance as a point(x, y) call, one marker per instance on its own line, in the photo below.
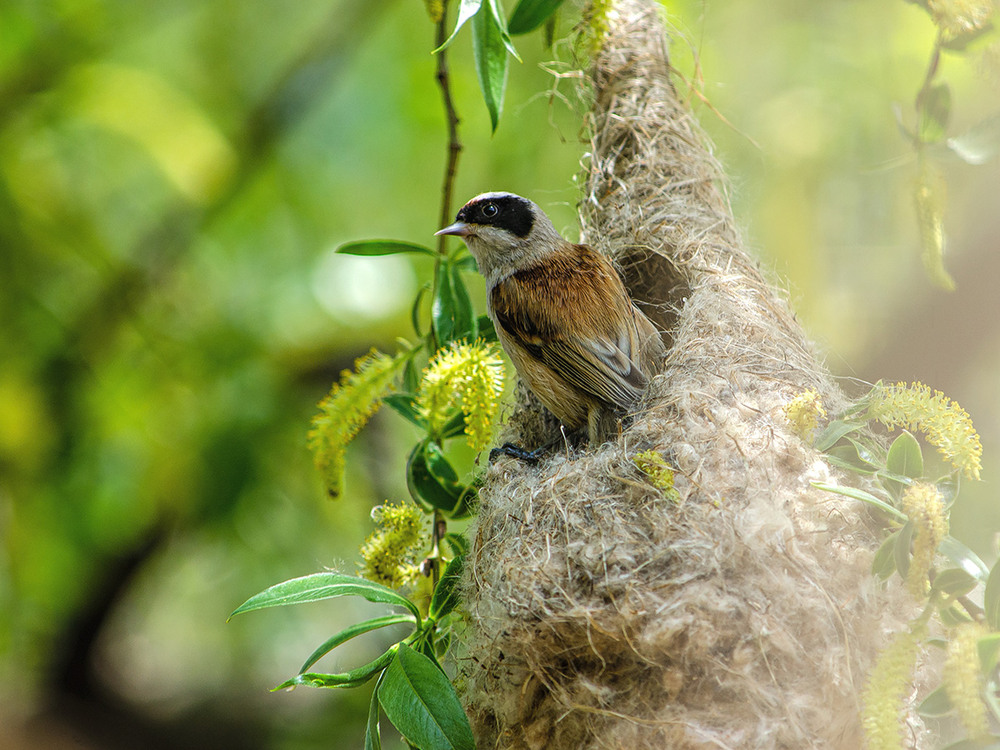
point(490, 55)
point(865, 497)
point(319, 586)
point(498, 17)
point(422, 704)
point(382, 247)
point(466, 10)
point(354, 678)
point(528, 15)
point(833, 432)
point(352, 632)
point(964, 558)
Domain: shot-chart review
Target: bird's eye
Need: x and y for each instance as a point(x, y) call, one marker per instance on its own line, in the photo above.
point(490, 210)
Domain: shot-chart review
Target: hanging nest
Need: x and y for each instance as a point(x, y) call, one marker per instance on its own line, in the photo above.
point(738, 613)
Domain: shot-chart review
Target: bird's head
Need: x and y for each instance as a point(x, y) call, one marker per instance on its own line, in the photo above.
point(504, 232)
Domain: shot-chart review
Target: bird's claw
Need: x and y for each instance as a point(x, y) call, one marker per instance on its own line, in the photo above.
point(509, 449)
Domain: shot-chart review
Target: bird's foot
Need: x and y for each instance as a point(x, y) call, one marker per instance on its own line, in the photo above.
point(509, 449)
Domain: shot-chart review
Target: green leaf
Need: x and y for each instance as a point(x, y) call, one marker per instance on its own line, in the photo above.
point(934, 106)
point(445, 596)
point(373, 738)
point(465, 318)
point(904, 457)
point(454, 426)
point(964, 558)
point(989, 652)
point(884, 563)
point(991, 597)
point(411, 377)
point(422, 704)
point(382, 247)
point(415, 310)
point(490, 55)
point(465, 262)
point(833, 432)
point(954, 582)
point(443, 307)
point(351, 632)
point(865, 497)
point(498, 17)
point(432, 481)
point(901, 550)
point(528, 15)
point(406, 405)
point(319, 586)
point(936, 704)
point(466, 10)
point(458, 543)
point(354, 678)
point(487, 331)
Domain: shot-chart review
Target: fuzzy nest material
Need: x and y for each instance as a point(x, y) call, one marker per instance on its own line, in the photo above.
point(604, 614)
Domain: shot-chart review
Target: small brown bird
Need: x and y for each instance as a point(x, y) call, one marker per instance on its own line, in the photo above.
point(561, 313)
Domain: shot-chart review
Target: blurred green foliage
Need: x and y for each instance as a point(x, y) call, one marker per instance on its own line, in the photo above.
point(174, 178)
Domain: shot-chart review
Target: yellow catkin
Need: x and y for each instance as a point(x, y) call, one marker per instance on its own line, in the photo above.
point(347, 409)
point(435, 9)
point(963, 680)
point(465, 376)
point(957, 17)
point(945, 424)
point(661, 476)
point(389, 554)
point(924, 506)
point(804, 413)
point(884, 696)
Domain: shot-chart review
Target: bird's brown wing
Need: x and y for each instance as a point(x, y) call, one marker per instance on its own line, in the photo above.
point(597, 355)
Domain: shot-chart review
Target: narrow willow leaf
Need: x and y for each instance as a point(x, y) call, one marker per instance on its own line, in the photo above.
point(884, 563)
point(445, 597)
point(528, 15)
point(466, 10)
point(426, 488)
point(382, 247)
point(422, 704)
point(904, 456)
point(989, 652)
point(352, 632)
point(443, 306)
point(405, 405)
point(458, 543)
point(964, 558)
point(936, 704)
point(901, 550)
point(490, 55)
point(954, 582)
point(319, 586)
point(415, 310)
point(865, 497)
point(354, 678)
point(497, 10)
point(466, 323)
point(373, 738)
point(834, 432)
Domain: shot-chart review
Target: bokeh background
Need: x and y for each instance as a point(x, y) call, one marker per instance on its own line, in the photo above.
point(174, 179)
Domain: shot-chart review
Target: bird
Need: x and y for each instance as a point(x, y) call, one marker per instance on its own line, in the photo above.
point(561, 312)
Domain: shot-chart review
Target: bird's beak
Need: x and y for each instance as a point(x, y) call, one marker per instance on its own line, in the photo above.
point(459, 229)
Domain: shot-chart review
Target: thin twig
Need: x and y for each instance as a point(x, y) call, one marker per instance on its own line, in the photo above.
point(454, 145)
